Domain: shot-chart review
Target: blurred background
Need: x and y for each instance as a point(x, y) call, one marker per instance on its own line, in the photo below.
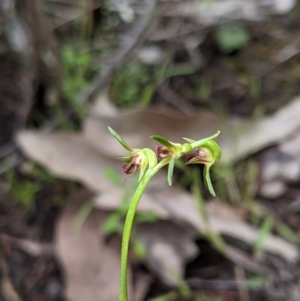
point(71, 68)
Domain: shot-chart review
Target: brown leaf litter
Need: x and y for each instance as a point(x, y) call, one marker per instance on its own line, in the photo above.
point(91, 265)
point(85, 156)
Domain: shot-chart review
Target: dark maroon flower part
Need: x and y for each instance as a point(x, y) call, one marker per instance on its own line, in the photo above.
point(132, 166)
point(163, 152)
point(197, 156)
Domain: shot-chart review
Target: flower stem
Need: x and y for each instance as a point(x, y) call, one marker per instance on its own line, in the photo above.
point(128, 225)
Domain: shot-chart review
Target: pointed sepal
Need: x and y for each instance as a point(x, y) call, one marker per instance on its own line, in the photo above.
point(120, 139)
point(170, 171)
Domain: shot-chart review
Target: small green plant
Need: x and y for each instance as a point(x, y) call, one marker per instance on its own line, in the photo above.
point(231, 37)
point(205, 151)
point(126, 86)
point(135, 83)
point(207, 298)
point(75, 68)
point(24, 192)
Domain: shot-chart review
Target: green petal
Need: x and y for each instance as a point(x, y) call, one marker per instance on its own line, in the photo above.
point(163, 141)
point(151, 156)
point(170, 171)
point(118, 137)
point(214, 148)
point(207, 180)
point(144, 166)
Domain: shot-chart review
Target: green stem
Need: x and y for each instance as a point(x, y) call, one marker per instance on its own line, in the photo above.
point(128, 225)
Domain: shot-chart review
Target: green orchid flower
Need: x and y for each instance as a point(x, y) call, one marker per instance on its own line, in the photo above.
point(137, 159)
point(168, 149)
point(208, 154)
point(171, 150)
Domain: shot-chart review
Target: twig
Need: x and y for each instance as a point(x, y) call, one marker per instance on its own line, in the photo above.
point(243, 259)
point(243, 290)
point(282, 56)
point(7, 290)
point(138, 34)
point(7, 149)
point(171, 97)
point(34, 249)
point(218, 284)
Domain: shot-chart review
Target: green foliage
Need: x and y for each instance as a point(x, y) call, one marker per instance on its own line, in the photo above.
point(24, 192)
point(264, 232)
point(168, 297)
point(256, 282)
point(75, 67)
point(237, 184)
point(183, 288)
point(113, 176)
point(114, 223)
point(204, 90)
point(286, 232)
point(82, 215)
point(136, 83)
point(231, 36)
point(146, 217)
point(127, 86)
point(40, 173)
point(207, 298)
point(172, 296)
point(139, 249)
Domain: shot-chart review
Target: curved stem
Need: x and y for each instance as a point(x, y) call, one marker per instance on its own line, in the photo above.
point(128, 225)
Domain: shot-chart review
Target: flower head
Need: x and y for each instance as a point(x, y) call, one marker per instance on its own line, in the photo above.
point(140, 159)
point(163, 152)
point(166, 148)
point(207, 154)
point(171, 150)
point(137, 159)
point(202, 153)
point(132, 163)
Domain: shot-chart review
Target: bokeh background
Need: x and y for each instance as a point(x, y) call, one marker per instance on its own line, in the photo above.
point(71, 68)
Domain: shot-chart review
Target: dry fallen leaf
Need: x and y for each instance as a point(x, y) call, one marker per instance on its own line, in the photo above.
point(169, 247)
point(248, 234)
point(291, 146)
point(7, 289)
point(81, 157)
point(214, 12)
point(181, 207)
point(91, 265)
point(64, 11)
point(239, 137)
point(68, 156)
